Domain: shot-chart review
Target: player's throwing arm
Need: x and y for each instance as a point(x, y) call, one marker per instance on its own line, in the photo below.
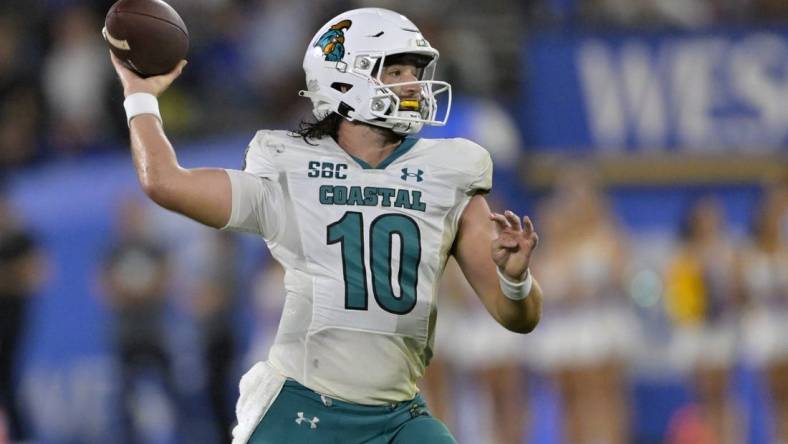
point(152, 45)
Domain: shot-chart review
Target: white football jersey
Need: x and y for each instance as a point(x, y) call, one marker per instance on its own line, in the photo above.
point(363, 250)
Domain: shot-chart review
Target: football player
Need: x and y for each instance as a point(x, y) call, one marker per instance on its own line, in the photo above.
point(363, 216)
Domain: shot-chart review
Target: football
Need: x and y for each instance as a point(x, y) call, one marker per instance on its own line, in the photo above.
point(147, 35)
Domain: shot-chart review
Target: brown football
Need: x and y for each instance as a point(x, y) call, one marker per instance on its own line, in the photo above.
point(147, 35)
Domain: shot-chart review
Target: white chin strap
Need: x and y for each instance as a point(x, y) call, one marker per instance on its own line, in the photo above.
point(410, 123)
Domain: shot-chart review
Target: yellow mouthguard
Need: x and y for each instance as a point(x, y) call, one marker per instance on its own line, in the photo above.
point(410, 104)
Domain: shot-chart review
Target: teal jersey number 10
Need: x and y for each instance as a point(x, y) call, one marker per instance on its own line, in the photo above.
point(349, 233)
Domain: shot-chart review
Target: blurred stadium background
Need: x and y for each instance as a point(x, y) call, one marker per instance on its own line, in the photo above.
point(647, 138)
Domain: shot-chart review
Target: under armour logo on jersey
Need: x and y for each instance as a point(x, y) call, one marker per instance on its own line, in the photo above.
point(406, 173)
point(312, 422)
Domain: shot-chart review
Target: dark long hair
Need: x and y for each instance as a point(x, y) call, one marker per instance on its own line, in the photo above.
point(327, 126)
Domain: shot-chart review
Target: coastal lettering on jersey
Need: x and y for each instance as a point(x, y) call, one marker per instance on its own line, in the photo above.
point(371, 197)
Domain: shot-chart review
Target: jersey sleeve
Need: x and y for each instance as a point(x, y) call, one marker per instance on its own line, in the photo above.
point(256, 193)
point(259, 158)
point(480, 170)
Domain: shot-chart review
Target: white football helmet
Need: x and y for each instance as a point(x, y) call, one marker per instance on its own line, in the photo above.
point(343, 65)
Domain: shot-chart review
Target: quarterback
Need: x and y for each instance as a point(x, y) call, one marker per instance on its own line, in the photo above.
point(363, 216)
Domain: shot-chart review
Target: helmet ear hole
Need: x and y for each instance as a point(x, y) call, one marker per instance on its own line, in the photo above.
point(341, 87)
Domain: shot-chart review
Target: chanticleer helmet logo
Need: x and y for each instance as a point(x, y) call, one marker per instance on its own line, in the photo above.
point(332, 42)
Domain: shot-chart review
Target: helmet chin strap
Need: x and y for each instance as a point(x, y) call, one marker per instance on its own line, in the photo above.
point(407, 127)
point(399, 127)
point(400, 122)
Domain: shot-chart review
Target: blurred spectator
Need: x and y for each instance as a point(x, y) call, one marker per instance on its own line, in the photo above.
point(588, 326)
point(21, 271)
point(763, 279)
point(701, 302)
point(216, 289)
point(20, 116)
point(75, 79)
point(136, 276)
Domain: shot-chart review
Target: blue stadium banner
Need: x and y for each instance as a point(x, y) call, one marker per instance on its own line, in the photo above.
point(715, 91)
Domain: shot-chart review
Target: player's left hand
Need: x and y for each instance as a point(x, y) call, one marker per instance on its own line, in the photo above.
point(516, 241)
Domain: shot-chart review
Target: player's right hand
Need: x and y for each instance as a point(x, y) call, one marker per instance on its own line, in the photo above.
point(516, 241)
point(133, 83)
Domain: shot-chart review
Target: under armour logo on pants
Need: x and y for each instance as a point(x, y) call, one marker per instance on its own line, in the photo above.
point(312, 422)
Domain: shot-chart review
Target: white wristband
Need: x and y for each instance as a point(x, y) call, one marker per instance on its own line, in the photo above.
point(516, 291)
point(141, 103)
